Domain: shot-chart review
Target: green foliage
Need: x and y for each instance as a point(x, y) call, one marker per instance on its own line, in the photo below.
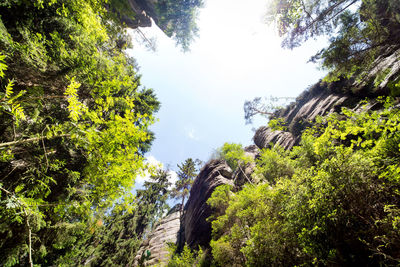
point(186, 258)
point(186, 175)
point(394, 87)
point(114, 238)
point(359, 30)
point(234, 155)
point(122, 8)
point(219, 200)
point(75, 107)
point(333, 200)
point(10, 103)
point(277, 124)
point(273, 165)
point(74, 125)
point(177, 18)
point(153, 200)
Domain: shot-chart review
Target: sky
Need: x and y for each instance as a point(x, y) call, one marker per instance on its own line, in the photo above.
point(236, 57)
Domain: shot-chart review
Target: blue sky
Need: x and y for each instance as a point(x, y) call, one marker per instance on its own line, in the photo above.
point(237, 57)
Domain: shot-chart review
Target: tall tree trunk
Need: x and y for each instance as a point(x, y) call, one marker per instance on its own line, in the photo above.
point(29, 240)
point(183, 201)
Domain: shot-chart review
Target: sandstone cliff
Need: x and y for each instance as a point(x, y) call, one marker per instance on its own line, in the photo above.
point(166, 231)
point(324, 98)
point(319, 100)
point(197, 229)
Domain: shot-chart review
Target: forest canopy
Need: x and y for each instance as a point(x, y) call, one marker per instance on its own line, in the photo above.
point(73, 128)
point(178, 19)
point(358, 30)
point(332, 200)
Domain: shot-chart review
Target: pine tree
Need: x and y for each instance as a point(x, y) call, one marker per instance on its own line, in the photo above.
point(186, 174)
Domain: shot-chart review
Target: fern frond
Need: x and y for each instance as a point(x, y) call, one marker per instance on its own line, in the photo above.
point(18, 112)
point(9, 88)
point(75, 107)
point(3, 66)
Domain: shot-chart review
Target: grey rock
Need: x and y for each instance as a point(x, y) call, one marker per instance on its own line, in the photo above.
point(388, 60)
point(265, 137)
point(197, 229)
point(323, 99)
point(243, 174)
point(166, 231)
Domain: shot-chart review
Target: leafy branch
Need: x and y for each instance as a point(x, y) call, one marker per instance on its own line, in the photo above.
point(27, 212)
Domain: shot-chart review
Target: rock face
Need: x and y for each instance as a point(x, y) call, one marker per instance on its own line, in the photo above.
point(325, 98)
point(166, 231)
point(243, 174)
point(299, 115)
point(319, 100)
point(193, 228)
point(197, 229)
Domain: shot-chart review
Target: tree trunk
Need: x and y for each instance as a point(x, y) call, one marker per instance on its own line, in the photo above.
point(29, 240)
point(183, 201)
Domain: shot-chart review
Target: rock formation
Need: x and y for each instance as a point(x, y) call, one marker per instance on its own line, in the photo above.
point(324, 98)
point(319, 100)
point(166, 231)
point(193, 228)
point(243, 174)
point(299, 115)
point(197, 229)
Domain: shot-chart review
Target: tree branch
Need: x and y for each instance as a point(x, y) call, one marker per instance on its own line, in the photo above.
point(29, 140)
point(323, 14)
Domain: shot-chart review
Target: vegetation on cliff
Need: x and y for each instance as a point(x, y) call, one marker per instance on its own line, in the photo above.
point(332, 200)
point(359, 31)
point(74, 128)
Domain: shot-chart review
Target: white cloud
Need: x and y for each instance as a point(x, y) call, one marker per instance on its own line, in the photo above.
point(173, 177)
point(156, 164)
point(145, 176)
point(191, 133)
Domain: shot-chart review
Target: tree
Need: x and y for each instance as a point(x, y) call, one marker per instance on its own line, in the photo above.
point(116, 240)
point(265, 108)
point(177, 18)
point(235, 157)
point(186, 257)
point(153, 199)
point(73, 125)
point(332, 200)
point(186, 174)
point(359, 30)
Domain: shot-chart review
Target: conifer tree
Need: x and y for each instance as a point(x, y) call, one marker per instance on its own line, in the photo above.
point(358, 30)
point(186, 174)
